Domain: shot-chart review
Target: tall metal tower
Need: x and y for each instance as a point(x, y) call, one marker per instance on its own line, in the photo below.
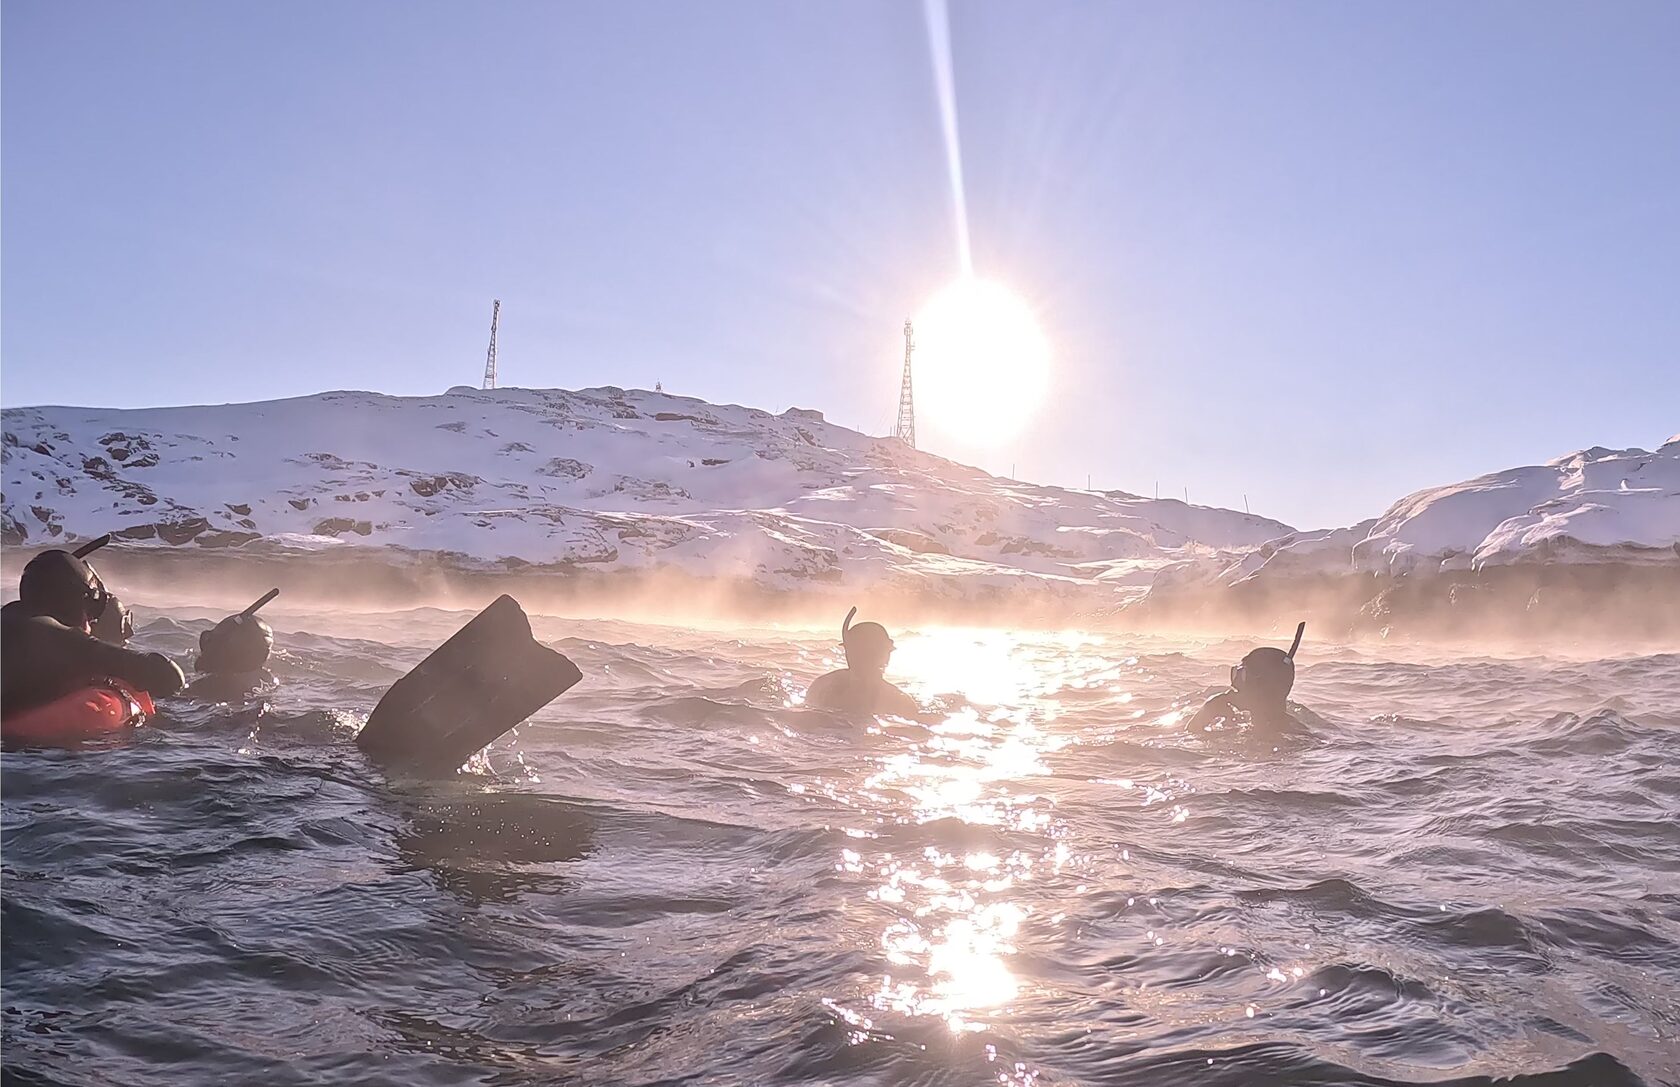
point(490, 358)
point(905, 429)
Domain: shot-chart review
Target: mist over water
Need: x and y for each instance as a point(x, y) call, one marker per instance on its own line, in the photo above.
point(675, 873)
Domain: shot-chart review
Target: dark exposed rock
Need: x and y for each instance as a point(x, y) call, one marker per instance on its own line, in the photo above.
point(300, 503)
point(240, 508)
point(910, 541)
point(565, 467)
point(427, 486)
point(338, 526)
point(1019, 546)
point(176, 533)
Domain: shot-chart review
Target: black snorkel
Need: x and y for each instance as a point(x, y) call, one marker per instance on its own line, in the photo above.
point(91, 546)
point(1300, 629)
point(263, 602)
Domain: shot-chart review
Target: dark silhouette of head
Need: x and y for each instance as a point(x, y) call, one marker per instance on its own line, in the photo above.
point(868, 645)
point(239, 643)
point(1266, 675)
point(61, 586)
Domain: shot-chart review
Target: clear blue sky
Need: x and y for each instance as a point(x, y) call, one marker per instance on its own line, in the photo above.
point(1318, 253)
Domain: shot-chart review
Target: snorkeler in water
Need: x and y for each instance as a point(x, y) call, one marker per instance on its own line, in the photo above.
point(47, 642)
point(233, 657)
point(861, 686)
point(1259, 694)
point(115, 624)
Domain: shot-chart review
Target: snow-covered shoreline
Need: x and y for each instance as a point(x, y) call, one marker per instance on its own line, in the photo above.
point(600, 486)
point(600, 479)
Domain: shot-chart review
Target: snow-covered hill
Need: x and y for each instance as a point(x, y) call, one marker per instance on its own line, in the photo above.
point(601, 479)
point(1594, 507)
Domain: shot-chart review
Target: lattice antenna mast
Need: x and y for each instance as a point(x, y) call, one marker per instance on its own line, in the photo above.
point(905, 429)
point(490, 358)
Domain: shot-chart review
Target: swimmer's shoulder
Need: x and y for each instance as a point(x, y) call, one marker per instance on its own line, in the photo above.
point(827, 691)
point(1218, 708)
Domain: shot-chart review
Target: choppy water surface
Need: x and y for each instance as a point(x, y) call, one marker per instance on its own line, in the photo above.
point(676, 874)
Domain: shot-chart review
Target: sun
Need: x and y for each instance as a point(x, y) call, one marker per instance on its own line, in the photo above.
point(982, 365)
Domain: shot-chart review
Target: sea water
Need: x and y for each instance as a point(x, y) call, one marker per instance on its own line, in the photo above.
point(678, 874)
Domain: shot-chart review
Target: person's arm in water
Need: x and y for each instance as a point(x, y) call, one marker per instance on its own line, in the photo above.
point(153, 673)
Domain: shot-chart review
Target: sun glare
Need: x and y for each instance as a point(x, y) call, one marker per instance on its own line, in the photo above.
point(981, 364)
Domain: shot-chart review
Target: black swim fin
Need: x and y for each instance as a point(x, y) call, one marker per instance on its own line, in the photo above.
point(482, 682)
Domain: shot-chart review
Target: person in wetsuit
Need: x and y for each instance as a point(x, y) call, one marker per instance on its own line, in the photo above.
point(233, 657)
point(861, 686)
point(47, 648)
point(1259, 694)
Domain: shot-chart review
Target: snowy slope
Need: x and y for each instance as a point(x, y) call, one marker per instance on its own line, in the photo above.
point(601, 479)
point(1597, 506)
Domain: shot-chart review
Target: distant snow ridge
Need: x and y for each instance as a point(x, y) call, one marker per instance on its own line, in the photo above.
point(600, 479)
point(1592, 507)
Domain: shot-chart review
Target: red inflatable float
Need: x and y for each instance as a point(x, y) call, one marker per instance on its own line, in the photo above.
point(93, 711)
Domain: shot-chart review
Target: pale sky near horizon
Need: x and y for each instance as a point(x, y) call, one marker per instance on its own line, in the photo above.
point(1317, 254)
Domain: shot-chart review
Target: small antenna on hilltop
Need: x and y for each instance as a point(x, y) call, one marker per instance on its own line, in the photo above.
point(490, 357)
point(905, 429)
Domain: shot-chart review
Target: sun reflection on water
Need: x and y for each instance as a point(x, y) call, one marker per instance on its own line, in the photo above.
point(954, 913)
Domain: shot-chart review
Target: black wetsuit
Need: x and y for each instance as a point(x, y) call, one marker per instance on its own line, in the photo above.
point(230, 686)
point(1277, 723)
point(859, 692)
point(42, 660)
